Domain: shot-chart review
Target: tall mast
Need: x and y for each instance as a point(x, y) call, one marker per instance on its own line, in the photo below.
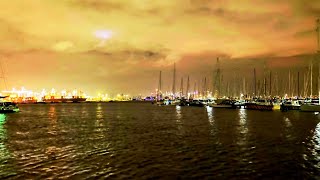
point(255, 81)
point(265, 86)
point(213, 82)
point(270, 86)
point(318, 34)
point(174, 80)
point(289, 83)
point(205, 87)
point(160, 82)
point(218, 78)
point(298, 84)
point(319, 81)
point(198, 87)
point(181, 88)
point(195, 89)
point(188, 88)
point(317, 56)
point(276, 83)
point(265, 78)
point(244, 85)
point(259, 87)
point(3, 76)
point(305, 83)
point(234, 93)
point(228, 90)
point(311, 78)
point(159, 88)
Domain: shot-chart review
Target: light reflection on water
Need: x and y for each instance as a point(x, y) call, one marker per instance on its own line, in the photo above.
point(53, 120)
point(6, 169)
point(316, 150)
point(210, 114)
point(3, 150)
point(143, 141)
point(178, 111)
point(243, 127)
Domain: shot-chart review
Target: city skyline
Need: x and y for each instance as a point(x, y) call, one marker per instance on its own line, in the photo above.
point(120, 46)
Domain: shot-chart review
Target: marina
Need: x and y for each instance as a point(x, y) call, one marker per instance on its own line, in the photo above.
point(162, 89)
point(138, 140)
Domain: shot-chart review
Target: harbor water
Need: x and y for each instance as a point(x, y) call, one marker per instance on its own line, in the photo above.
point(135, 140)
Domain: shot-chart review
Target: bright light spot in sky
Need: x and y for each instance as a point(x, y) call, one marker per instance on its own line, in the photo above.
point(103, 34)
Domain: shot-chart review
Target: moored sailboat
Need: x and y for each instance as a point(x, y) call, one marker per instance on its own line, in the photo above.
point(315, 107)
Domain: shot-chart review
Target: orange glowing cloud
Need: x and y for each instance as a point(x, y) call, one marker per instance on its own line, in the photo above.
point(118, 38)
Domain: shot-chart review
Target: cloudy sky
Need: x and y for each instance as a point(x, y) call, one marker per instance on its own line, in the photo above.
point(121, 45)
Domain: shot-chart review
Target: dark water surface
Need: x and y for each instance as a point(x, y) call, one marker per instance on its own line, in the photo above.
point(143, 141)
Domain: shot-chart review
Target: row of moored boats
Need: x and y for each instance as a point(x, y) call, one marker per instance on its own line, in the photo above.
point(311, 105)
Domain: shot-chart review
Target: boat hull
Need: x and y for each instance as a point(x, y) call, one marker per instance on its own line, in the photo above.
point(310, 107)
point(223, 106)
point(255, 106)
point(64, 100)
point(9, 110)
point(288, 108)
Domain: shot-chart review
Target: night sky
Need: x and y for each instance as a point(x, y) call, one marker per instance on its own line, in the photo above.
point(119, 46)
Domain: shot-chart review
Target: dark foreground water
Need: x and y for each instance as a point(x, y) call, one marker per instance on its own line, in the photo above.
point(143, 141)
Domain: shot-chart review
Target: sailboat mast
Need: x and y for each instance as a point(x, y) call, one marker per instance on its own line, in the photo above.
point(195, 89)
point(205, 88)
point(311, 78)
point(218, 78)
point(3, 76)
point(265, 86)
point(255, 81)
point(319, 81)
point(188, 88)
point(289, 82)
point(298, 84)
point(318, 34)
point(160, 82)
point(174, 80)
point(181, 88)
point(159, 88)
point(244, 85)
point(270, 93)
point(317, 55)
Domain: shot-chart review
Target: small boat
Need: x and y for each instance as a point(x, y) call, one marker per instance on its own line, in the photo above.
point(162, 102)
point(225, 104)
point(7, 106)
point(276, 104)
point(196, 103)
point(290, 105)
point(260, 104)
point(183, 102)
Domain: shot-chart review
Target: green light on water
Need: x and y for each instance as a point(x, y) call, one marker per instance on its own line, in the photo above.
point(3, 150)
point(6, 169)
point(2, 130)
point(2, 135)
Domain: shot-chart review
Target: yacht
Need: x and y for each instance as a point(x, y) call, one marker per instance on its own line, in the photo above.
point(225, 104)
point(290, 105)
point(260, 104)
point(7, 106)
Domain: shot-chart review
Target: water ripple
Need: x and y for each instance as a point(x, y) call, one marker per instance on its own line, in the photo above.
point(143, 141)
